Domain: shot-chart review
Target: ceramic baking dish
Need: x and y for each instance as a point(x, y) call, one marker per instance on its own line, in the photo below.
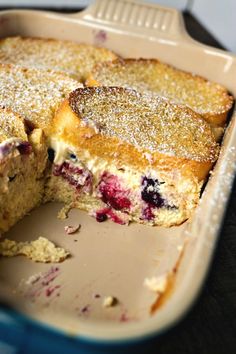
point(109, 259)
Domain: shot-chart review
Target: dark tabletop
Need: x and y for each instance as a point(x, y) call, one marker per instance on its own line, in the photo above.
point(210, 326)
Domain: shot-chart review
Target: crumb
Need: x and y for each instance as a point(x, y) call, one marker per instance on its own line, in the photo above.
point(33, 279)
point(41, 250)
point(156, 284)
point(71, 229)
point(96, 296)
point(109, 301)
point(63, 213)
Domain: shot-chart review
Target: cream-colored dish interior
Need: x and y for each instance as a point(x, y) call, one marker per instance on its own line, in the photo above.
point(109, 259)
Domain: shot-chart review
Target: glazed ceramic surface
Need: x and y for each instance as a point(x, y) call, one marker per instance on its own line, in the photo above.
point(109, 259)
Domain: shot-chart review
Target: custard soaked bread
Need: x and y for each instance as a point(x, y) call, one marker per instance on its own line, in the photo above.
point(22, 164)
point(209, 99)
point(34, 94)
point(128, 156)
point(73, 58)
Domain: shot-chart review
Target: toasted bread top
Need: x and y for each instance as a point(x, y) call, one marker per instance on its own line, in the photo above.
point(127, 128)
point(34, 94)
point(11, 125)
point(209, 99)
point(145, 121)
point(73, 58)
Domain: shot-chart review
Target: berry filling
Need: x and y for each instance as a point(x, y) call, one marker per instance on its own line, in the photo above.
point(75, 176)
point(150, 192)
point(101, 215)
point(112, 193)
point(151, 195)
point(147, 213)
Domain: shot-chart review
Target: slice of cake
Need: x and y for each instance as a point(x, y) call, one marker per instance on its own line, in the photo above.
point(34, 94)
point(22, 164)
point(209, 99)
point(126, 156)
point(73, 58)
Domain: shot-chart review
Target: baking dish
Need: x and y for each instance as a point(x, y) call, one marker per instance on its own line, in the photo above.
point(109, 259)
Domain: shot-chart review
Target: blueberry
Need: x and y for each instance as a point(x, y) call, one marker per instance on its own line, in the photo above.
point(150, 193)
point(51, 155)
point(73, 157)
point(100, 217)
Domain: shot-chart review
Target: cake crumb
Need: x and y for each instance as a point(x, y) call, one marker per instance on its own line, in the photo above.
point(157, 284)
point(71, 229)
point(33, 279)
point(41, 250)
point(63, 213)
point(109, 301)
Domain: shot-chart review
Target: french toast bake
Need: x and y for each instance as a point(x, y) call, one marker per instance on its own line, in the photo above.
point(73, 58)
point(210, 100)
point(126, 156)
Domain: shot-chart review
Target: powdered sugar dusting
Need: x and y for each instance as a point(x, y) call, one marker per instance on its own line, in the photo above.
point(34, 94)
point(146, 121)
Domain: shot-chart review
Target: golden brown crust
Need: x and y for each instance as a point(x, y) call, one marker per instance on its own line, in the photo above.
point(209, 99)
point(76, 59)
point(70, 128)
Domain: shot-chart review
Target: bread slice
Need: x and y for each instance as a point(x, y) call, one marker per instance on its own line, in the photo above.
point(75, 59)
point(126, 156)
point(22, 164)
point(207, 98)
point(34, 94)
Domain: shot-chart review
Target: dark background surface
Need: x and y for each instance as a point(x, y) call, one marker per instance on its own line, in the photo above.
point(210, 326)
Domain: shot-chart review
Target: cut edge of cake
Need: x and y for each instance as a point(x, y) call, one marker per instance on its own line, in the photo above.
point(97, 170)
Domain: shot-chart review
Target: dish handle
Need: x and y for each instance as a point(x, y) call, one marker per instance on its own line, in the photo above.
point(136, 17)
